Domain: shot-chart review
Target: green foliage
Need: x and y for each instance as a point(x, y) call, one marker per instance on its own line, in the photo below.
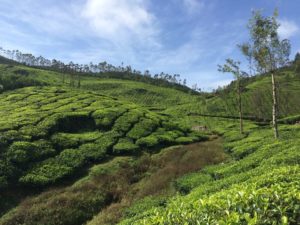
point(190, 181)
point(258, 203)
point(24, 152)
point(290, 119)
point(148, 142)
point(50, 133)
point(144, 204)
point(260, 187)
point(186, 140)
point(53, 169)
point(143, 128)
point(105, 117)
point(16, 79)
point(125, 146)
point(126, 121)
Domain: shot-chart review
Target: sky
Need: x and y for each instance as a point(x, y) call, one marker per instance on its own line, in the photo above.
point(186, 37)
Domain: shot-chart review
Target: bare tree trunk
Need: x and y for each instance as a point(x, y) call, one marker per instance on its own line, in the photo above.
point(240, 106)
point(63, 76)
point(78, 81)
point(275, 106)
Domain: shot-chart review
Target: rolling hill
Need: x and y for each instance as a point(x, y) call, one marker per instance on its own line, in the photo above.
point(118, 151)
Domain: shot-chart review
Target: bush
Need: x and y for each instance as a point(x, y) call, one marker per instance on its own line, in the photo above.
point(93, 151)
point(126, 121)
point(63, 141)
point(169, 125)
point(10, 136)
point(188, 182)
point(105, 118)
point(270, 198)
point(46, 173)
point(53, 169)
point(186, 140)
point(7, 173)
point(23, 152)
point(143, 128)
point(148, 142)
point(125, 146)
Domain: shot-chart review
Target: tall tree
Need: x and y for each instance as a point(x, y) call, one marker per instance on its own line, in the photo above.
point(269, 52)
point(233, 67)
point(297, 63)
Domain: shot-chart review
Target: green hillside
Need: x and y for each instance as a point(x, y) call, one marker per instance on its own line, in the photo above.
point(257, 96)
point(260, 185)
point(118, 151)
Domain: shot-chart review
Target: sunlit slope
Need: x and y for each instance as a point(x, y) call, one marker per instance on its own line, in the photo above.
point(256, 97)
point(260, 185)
point(139, 92)
point(48, 133)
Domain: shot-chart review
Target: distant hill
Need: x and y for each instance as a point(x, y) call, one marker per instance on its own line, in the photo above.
point(4, 60)
point(170, 98)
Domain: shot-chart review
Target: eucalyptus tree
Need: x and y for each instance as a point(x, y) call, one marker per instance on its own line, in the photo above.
point(233, 67)
point(269, 52)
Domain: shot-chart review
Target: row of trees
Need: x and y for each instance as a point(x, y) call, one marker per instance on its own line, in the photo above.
point(266, 53)
point(72, 68)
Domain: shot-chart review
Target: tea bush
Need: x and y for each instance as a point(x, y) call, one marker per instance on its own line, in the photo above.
point(49, 133)
point(125, 146)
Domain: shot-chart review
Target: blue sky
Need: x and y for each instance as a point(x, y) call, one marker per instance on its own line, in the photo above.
point(189, 37)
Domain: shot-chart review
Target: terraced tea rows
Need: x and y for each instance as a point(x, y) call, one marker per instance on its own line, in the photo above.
point(259, 185)
point(48, 133)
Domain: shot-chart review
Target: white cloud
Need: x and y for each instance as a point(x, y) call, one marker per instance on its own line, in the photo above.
point(287, 28)
point(193, 6)
point(121, 20)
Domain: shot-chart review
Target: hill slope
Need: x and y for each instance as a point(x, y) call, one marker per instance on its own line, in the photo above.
point(48, 133)
point(257, 98)
point(97, 154)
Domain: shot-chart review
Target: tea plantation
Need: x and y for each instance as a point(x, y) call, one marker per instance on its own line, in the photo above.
point(260, 185)
point(126, 152)
point(49, 133)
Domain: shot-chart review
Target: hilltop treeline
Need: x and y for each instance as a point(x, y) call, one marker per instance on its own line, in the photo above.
point(101, 69)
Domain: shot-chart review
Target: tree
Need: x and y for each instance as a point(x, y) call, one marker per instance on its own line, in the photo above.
point(233, 67)
point(297, 57)
point(269, 52)
point(297, 63)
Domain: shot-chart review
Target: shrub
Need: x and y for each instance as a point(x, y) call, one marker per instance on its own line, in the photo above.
point(23, 152)
point(10, 136)
point(104, 118)
point(63, 141)
point(169, 125)
point(125, 146)
point(188, 182)
point(143, 128)
point(7, 173)
point(186, 140)
point(46, 173)
point(126, 121)
point(93, 151)
point(149, 141)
